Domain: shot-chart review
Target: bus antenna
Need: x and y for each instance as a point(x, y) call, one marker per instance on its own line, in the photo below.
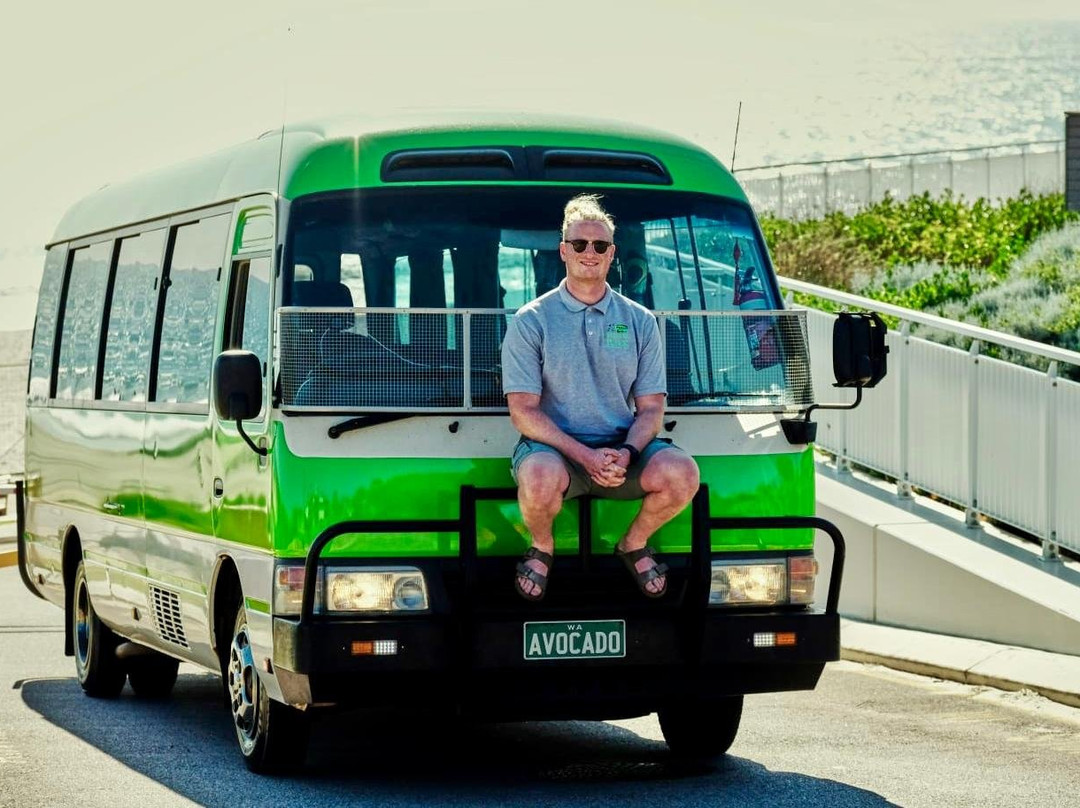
point(284, 110)
point(738, 119)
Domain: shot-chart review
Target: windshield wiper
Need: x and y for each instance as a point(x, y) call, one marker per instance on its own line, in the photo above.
point(362, 421)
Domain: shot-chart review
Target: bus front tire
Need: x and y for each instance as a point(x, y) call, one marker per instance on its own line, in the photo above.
point(153, 676)
point(100, 672)
point(701, 731)
point(272, 736)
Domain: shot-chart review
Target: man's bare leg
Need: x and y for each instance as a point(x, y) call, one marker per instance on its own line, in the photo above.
point(670, 480)
point(542, 478)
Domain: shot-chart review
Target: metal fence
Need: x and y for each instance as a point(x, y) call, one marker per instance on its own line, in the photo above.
point(993, 437)
point(812, 190)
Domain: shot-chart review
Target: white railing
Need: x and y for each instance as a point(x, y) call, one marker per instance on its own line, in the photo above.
point(993, 437)
point(814, 189)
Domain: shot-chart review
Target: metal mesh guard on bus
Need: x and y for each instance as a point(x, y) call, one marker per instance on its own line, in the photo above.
point(449, 359)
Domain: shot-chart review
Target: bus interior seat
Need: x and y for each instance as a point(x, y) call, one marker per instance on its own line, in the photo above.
point(680, 385)
point(427, 290)
point(548, 268)
point(321, 294)
point(477, 285)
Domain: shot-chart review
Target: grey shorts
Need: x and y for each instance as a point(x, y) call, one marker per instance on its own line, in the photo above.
point(580, 482)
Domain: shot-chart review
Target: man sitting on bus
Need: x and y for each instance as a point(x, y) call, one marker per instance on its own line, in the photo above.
point(573, 360)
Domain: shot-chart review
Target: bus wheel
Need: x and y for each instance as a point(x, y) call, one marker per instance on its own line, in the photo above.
point(273, 736)
point(701, 730)
point(153, 676)
point(99, 671)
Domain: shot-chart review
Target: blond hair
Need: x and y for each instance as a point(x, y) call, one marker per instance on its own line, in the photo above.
point(586, 208)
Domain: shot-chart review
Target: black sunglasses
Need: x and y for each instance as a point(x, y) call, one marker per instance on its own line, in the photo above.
point(582, 244)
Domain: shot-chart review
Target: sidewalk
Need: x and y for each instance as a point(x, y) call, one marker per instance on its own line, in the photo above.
point(973, 662)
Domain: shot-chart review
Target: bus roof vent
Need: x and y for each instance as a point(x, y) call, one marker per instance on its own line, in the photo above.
point(597, 165)
point(435, 165)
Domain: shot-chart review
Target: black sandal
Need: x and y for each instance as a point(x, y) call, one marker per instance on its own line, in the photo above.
point(658, 570)
point(531, 575)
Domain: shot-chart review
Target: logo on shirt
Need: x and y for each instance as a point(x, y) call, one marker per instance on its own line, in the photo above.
point(617, 336)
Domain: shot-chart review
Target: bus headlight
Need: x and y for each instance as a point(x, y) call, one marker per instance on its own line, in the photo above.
point(763, 582)
point(352, 589)
point(745, 582)
point(375, 590)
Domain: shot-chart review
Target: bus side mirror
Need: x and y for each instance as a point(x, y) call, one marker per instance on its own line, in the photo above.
point(238, 389)
point(859, 349)
point(237, 385)
point(859, 352)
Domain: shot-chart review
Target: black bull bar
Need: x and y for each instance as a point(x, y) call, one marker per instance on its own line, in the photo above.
point(702, 523)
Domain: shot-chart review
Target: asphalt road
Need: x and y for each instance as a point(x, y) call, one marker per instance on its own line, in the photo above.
point(865, 737)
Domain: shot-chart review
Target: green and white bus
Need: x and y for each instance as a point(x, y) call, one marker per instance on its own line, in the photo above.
point(266, 435)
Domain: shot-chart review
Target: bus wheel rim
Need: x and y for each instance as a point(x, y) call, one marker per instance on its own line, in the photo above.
point(82, 626)
point(243, 688)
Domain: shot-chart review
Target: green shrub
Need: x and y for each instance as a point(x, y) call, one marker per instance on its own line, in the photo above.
point(951, 232)
point(1013, 268)
point(1040, 300)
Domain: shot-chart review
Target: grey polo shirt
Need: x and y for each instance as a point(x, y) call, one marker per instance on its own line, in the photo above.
point(586, 362)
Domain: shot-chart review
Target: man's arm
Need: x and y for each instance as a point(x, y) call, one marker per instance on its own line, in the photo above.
point(648, 418)
point(534, 423)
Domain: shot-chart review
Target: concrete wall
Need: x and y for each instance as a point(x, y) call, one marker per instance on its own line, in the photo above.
point(912, 566)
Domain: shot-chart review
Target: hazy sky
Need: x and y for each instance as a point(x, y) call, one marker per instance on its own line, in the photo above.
point(97, 92)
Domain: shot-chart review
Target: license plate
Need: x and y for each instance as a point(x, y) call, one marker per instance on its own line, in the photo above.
point(584, 639)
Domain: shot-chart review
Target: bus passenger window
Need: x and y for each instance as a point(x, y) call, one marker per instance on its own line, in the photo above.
point(41, 355)
point(131, 318)
point(81, 328)
point(186, 348)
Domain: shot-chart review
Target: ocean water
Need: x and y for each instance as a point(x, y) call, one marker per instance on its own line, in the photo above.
point(913, 90)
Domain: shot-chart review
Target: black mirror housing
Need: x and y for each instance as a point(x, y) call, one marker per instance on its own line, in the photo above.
point(859, 349)
point(238, 385)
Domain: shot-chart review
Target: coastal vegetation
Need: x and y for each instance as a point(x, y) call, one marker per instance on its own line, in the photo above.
point(1012, 267)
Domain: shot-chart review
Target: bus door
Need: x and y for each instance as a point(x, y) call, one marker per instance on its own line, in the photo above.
point(177, 447)
point(241, 477)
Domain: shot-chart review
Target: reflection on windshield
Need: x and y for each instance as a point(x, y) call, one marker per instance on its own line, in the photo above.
point(498, 248)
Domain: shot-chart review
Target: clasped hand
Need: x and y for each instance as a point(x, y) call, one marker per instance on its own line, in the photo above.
point(607, 467)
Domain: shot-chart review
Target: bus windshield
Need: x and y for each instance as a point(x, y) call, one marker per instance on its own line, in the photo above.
point(498, 248)
point(405, 255)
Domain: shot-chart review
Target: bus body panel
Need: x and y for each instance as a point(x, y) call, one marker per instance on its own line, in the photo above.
point(87, 464)
point(316, 491)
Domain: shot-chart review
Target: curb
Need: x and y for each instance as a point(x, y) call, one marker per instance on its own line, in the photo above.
point(923, 668)
point(970, 662)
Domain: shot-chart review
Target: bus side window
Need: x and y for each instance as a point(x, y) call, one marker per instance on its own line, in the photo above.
point(131, 317)
point(248, 313)
point(80, 328)
point(41, 356)
point(189, 313)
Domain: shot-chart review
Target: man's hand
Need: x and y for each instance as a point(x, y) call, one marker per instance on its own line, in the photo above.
point(606, 467)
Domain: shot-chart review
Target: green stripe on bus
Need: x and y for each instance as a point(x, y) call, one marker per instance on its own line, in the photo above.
point(256, 605)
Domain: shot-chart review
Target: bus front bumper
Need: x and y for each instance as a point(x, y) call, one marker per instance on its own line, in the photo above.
point(486, 668)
